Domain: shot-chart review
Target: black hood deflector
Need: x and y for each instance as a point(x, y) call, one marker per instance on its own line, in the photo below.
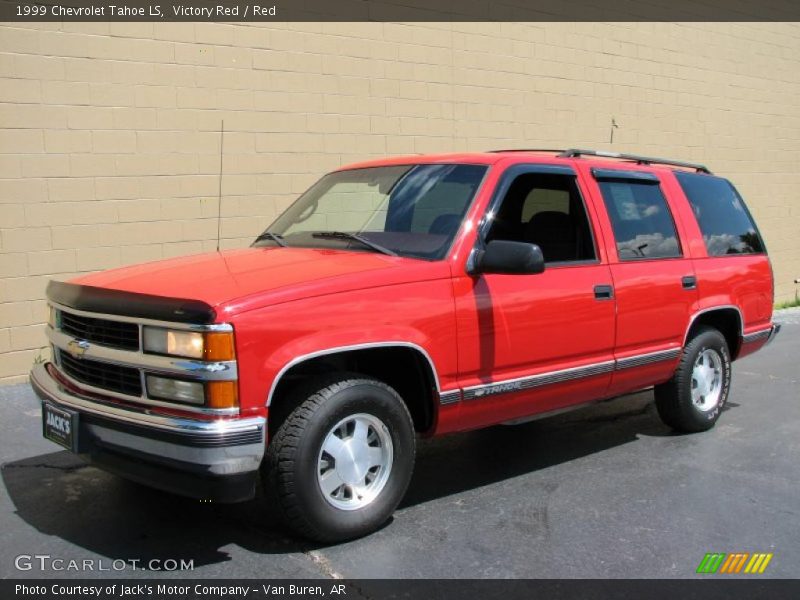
point(130, 304)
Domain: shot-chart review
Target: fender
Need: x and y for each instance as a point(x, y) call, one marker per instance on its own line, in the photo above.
point(711, 309)
point(335, 350)
point(330, 342)
point(270, 338)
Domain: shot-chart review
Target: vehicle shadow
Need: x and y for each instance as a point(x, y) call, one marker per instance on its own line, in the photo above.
point(461, 462)
point(61, 496)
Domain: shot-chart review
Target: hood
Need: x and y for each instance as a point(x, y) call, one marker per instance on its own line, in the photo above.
point(239, 280)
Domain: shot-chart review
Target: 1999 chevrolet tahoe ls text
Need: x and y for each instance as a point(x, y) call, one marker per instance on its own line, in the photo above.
point(404, 297)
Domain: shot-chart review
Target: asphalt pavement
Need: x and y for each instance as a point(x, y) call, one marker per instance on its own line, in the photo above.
point(605, 491)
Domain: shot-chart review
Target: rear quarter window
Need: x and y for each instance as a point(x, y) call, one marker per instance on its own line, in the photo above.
point(726, 224)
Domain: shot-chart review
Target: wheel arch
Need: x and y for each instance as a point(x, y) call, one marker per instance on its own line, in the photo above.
point(389, 361)
point(727, 319)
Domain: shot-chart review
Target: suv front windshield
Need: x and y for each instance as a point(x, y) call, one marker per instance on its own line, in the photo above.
point(408, 210)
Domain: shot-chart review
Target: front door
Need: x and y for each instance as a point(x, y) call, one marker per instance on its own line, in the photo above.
point(534, 343)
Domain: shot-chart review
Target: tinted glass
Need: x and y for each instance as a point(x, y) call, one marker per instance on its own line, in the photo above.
point(723, 218)
point(543, 199)
point(413, 210)
point(546, 210)
point(642, 222)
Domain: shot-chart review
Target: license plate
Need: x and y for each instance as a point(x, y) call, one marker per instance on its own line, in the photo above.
point(60, 426)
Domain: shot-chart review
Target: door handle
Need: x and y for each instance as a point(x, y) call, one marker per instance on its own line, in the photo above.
point(689, 282)
point(603, 292)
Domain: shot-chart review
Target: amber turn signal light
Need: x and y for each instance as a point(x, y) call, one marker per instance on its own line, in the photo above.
point(218, 345)
point(222, 394)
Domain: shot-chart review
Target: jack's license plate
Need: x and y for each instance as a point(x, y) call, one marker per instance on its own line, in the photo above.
point(60, 426)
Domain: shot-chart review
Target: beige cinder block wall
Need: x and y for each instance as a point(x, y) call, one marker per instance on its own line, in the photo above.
point(109, 149)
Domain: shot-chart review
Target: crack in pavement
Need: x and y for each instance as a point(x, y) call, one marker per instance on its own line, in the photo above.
point(767, 376)
point(43, 466)
point(324, 564)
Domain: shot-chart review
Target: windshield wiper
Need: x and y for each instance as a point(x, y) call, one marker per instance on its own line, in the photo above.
point(268, 235)
point(343, 235)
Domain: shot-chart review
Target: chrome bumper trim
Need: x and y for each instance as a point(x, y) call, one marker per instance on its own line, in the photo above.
point(215, 460)
point(45, 385)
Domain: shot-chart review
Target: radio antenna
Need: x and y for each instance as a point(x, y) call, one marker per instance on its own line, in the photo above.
point(219, 197)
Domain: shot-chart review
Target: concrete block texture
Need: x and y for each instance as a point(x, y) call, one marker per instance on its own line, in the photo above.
point(109, 132)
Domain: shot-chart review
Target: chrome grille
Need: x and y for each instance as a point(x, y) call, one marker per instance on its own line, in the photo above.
point(115, 334)
point(123, 380)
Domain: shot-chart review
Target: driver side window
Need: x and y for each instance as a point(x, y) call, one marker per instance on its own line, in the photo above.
point(546, 210)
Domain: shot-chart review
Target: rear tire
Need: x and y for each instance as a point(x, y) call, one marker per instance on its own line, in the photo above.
point(694, 398)
point(340, 463)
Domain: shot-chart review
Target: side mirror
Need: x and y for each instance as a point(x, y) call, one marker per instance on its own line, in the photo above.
point(513, 258)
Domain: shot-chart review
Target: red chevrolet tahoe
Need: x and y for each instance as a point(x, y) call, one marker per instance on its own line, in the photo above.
point(405, 297)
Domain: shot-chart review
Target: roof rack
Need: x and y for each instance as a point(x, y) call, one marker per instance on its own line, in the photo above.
point(642, 160)
point(529, 150)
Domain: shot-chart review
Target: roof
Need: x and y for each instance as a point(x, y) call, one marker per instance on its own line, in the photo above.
point(598, 158)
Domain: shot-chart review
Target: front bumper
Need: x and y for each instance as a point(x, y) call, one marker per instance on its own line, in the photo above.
point(212, 460)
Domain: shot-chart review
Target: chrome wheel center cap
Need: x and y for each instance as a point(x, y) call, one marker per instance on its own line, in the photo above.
point(353, 462)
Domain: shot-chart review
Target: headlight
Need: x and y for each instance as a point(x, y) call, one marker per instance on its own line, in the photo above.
point(175, 343)
point(212, 394)
point(192, 392)
point(52, 317)
point(210, 345)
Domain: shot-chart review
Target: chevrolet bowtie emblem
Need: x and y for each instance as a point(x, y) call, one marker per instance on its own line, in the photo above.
point(77, 348)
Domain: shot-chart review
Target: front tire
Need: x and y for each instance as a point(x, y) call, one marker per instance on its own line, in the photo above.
point(340, 463)
point(693, 399)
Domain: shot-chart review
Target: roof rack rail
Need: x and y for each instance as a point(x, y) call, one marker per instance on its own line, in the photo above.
point(529, 150)
point(642, 160)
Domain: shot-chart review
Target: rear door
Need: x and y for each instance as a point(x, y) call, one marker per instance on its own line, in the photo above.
point(654, 282)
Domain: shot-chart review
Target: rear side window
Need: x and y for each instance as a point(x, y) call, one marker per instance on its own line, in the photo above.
point(724, 220)
point(642, 223)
